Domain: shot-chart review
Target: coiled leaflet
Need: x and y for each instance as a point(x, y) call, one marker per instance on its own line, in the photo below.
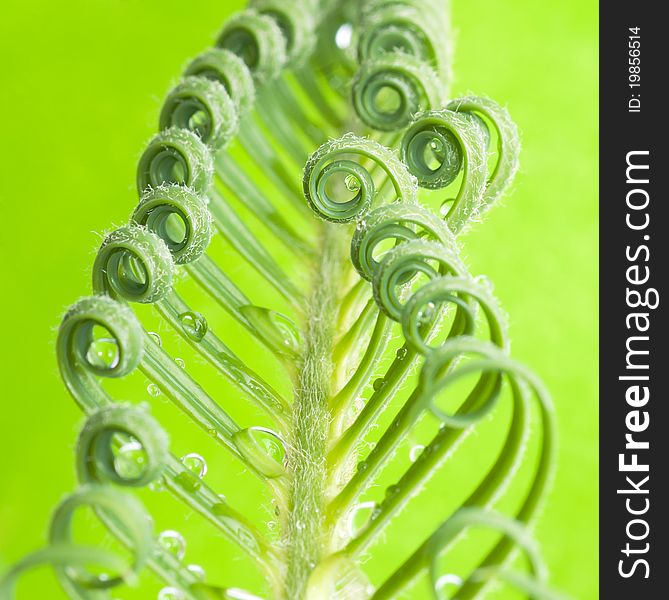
point(393, 222)
point(457, 143)
point(257, 39)
point(403, 263)
point(414, 29)
point(297, 25)
point(508, 145)
point(228, 69)
point(390, 89)
point(175, 156)
point(96, 460)
point(134, 264)
point(180, 217)
point(203, 106)
point(343, 158)
point(127, 512)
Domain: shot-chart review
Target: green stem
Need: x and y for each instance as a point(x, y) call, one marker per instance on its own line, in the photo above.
point(307, 464)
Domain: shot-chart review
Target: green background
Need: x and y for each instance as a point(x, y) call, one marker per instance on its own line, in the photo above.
point(80, 87)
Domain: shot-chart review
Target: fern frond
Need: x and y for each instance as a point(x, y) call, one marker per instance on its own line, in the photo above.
point(363, 311)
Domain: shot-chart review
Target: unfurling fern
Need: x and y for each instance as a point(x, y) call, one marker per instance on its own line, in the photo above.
point(385, 326)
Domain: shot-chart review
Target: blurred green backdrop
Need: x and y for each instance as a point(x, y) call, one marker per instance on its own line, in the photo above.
point(81, 86)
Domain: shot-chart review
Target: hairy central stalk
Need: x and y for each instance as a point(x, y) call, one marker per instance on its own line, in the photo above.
point(311, 417)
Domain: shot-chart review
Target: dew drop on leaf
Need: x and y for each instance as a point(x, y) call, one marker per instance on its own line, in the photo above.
point(130, 461)
point(359, 517)
point(195, 464)
point(352, 183)
point(103, 353)
point(446, 585)
point(158, 485)
point(271, 442)
point(391, 490)
point(415, 452)
point(246, 539)
point(170, 593)
point(155, 337)
point(194, 325)
point(445, 207)
point(426, 313)
point(197, 571)
point(262, 448)
point(173, 543)
point(485, 281)
point(278, 331)
point(153, 390)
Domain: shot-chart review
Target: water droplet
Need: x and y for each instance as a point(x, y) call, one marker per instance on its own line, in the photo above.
point(180, 362)
point(359, 517)
point(153, 390)
point(391, 490)
point(272, 443)
point(197, 571)
point(426, 313)
point(130, 461)
point(263, 448)
point(245, 538)
point(485, 281)
point(362, 466)
point(271, 525)
point(448, 580)
point(378, 384)
point(173, 543)
point(277, 331)
point(157, 485)
point(194, 325)
point(352, 183)
point(415, 452)
point(437, 145)
point(344, 36)
point(195, 464)
point(170, 593)
point(155, 337)
point(103, 353)
point(401, 353)
point(371, 445)
point(445, 207)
